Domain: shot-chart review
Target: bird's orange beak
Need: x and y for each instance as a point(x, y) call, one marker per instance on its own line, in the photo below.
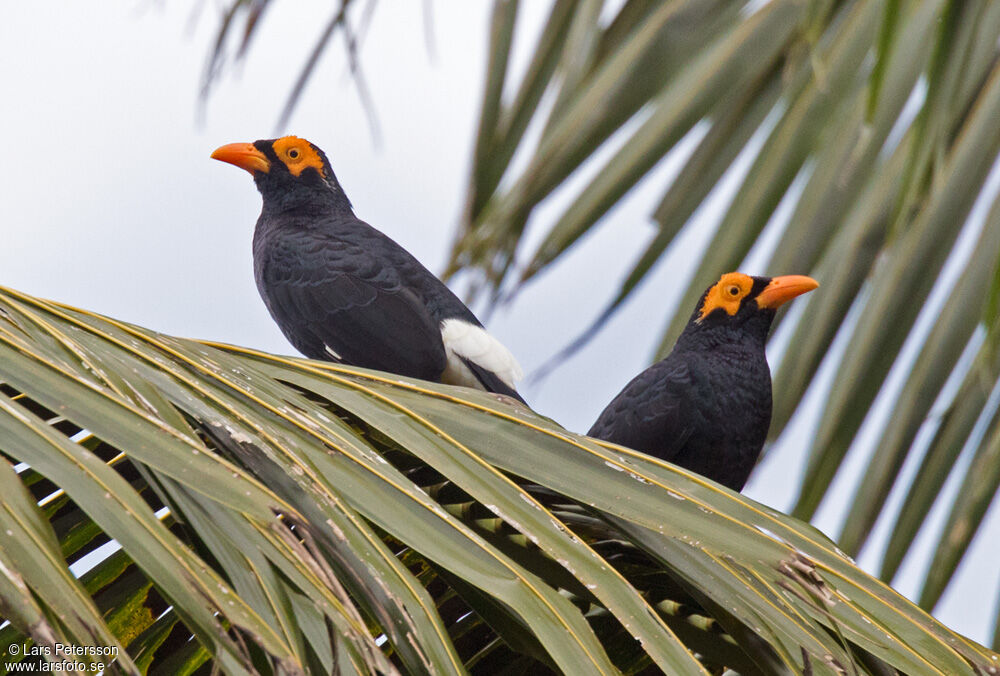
point(783, 289)
point(244, 156)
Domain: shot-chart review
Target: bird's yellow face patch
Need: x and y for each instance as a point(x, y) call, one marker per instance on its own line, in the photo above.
point(298, 155)
point(727, 294)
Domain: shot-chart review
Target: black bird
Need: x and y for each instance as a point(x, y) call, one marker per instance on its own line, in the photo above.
point(707, 405)
point(342, 291)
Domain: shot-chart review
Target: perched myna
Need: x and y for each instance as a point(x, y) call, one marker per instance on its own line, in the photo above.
point(342, 291)
point(707, 405)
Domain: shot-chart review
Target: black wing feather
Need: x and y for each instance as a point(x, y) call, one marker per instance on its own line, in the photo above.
point(652, 413)
point(352, 305)
point(491, 382)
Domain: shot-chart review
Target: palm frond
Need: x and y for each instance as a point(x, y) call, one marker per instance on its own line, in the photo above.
point(277, 515)
point(874, 121)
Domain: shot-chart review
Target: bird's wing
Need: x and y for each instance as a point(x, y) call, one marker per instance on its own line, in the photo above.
point(489, 381)
point(350, 309)
point(652, 413)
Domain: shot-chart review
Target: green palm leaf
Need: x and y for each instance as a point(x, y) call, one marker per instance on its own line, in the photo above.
point(278, 515)
point(874, 121)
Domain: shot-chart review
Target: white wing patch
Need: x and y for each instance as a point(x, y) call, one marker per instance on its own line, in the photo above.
point(333, 353)
point(463, 340)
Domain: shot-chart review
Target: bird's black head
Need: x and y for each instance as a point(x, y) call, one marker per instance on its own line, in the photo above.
point(741, 307)
point(290, 172)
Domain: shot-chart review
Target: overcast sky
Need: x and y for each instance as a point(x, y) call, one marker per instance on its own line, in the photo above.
point(110, 201)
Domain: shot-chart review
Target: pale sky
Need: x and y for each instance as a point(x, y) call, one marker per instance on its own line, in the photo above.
point(111, 203)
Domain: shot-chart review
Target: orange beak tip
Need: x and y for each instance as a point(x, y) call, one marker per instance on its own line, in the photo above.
point(243, 155)
point(782, 289)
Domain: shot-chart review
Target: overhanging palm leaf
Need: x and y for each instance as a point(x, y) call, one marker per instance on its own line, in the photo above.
point(885, 112)
point(296, 516)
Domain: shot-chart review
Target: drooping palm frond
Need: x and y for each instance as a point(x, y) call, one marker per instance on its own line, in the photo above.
point(277, 515)
point(875, 121)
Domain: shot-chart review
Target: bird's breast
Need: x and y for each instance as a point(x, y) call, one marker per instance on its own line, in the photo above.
point(734, 393)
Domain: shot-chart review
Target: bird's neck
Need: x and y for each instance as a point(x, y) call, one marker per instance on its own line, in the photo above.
point(749, 335)
point(307, 208)
point(307, 199)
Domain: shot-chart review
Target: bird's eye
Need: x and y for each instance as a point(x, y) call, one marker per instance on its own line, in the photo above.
point(734, 291)
point(293, 153)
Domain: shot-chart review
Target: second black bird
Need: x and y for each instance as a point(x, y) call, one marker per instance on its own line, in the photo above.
point(707, 405)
